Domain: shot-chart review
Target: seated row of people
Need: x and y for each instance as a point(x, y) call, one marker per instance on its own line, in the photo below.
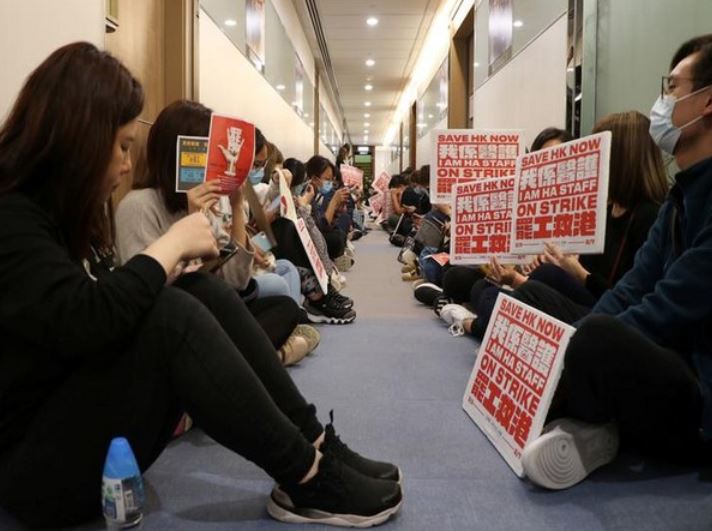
point(637, 371)
point(131, 343)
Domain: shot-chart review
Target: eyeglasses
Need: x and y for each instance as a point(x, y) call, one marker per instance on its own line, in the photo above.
point(257, 164)
point(669, 83)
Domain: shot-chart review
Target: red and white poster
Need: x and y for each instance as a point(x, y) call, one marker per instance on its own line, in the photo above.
point(482, 222)
point(231, 151)
point(561, 195)
point(466, 155)
point(381, 182)
point(286, 201)
point(516, 373)
point(377, 201)
point(312, 254)
point(352, 176)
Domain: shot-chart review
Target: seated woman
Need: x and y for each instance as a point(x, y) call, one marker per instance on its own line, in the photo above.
point(83, 339)
point(145, 214)
point(567, 286)
point(331, 307)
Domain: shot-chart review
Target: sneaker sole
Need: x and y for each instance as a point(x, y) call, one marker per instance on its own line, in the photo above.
point(280, 507)
point(325, 319)
point(566, 455)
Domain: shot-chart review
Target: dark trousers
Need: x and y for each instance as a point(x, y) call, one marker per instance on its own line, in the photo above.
point(278, 316)
point(612, 372)
point(533, 293)
point(458, 282)
point(335, 242)
point(555, 277)
point(200, 350)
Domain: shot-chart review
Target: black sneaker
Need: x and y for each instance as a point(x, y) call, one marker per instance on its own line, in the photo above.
point(427, 293)
point(333, 446)
point(326, 310)
point(340, 300)
point(337, 495)
point(440, 302)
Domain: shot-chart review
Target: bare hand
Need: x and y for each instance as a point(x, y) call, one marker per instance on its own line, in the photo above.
point(568, 262)
point(307, 196)
point(260, 259)
point(340, 196)
point(205, 195)
point(194, 237)
point(535, 262)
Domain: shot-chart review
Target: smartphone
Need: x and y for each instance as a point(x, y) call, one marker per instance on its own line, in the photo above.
point(226, 253)
point(262, 241)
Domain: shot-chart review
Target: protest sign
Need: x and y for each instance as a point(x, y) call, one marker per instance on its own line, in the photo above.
point(352, 176)
point(286, 201)
point(312, 254)
point(482, 221)
point(191, 157)
point(381, 182)
point(466, 155)
point(561, 195)
point(231, 151)
point(377, 202)
point(516, 373)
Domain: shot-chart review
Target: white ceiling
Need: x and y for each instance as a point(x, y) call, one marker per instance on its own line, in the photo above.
point(394, 44)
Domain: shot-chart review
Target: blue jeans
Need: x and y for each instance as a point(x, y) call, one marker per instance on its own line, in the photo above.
point(284, 281)
point(431, 270)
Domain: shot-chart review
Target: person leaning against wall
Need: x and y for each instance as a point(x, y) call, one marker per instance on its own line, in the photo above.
point(91, 351)
point(638, 371)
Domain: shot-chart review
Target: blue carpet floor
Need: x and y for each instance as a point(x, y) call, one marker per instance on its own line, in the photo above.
point(395, 379)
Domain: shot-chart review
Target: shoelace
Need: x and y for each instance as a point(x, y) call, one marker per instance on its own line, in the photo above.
point(456, 330)
point(337, 447)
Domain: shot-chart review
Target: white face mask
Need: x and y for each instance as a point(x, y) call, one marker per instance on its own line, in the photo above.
point(664, 132)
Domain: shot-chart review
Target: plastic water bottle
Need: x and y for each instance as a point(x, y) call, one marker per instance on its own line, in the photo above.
point(122, 493)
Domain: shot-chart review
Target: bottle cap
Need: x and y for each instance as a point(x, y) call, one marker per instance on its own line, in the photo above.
point(120, 461)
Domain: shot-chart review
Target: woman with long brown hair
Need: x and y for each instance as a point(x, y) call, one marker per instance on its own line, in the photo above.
point(92, 351)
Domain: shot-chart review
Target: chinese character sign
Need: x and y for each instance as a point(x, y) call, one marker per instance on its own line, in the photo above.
point(381, 182)
point(231, 151)
point(466, 155)
point(482, 221)
point(561, 195)
point(313, 254)
point(352, 176)
point(516, 373)
point(191, 157)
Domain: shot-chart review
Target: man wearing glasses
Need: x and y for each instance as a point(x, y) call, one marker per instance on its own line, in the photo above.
point(639, 369)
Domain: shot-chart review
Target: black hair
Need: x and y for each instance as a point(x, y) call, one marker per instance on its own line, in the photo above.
point(317, 165)
point(260, 140)
point(548, 134)
point(296, 168)
point(702, 69)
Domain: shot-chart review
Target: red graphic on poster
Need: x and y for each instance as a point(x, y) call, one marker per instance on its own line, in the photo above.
point(482, 221)
point(381, 182)
point(352, 176)
point(516, 373)
point(231, 151)
point(377, 201)
point(466, 155)
point(312, 254)
point(561, 196)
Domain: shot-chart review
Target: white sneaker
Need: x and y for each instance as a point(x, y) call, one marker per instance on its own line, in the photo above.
point(568, 451)
point(454, 315)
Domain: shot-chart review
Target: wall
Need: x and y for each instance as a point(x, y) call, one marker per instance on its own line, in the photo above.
point(633, 51)
point(32, 29)
point(139, 44)
point(229, 84)
point(424, 150)
point(530, 91)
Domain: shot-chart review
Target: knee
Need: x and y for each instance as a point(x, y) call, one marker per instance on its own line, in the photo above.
point(590, 345)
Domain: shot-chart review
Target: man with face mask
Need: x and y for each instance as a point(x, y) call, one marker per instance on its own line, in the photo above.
point(639, 369)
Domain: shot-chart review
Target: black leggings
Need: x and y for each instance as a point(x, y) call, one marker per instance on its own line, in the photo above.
point(458, 282)
point(612, 372)
point(200, 350)
point(278, 316)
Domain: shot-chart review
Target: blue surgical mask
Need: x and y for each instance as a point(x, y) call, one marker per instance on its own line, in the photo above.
point(666, 134)
point(326, 187)
point(256, 175)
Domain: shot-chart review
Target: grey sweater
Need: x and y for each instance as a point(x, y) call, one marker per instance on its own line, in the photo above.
point(142, 218)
